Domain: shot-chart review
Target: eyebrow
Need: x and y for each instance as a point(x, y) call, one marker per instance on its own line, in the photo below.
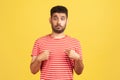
point(56, 16)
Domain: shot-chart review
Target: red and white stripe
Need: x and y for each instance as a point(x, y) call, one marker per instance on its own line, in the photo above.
point(58, 66)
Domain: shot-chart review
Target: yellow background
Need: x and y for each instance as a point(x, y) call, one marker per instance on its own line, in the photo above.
point(96, 23)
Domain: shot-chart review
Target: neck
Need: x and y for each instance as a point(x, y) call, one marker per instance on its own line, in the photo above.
point(57, 35)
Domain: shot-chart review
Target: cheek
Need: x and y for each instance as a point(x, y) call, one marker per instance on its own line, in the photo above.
point(54, 23)
point(63, 23)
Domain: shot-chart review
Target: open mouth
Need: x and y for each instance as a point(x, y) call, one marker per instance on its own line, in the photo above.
point(58, 27)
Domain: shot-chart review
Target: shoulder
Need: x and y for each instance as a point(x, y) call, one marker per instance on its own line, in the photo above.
point(73, 39)
point(42, 38)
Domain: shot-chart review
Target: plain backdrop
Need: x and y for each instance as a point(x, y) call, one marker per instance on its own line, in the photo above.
point(96, 23)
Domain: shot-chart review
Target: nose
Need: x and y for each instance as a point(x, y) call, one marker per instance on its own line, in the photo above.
point(59, 21)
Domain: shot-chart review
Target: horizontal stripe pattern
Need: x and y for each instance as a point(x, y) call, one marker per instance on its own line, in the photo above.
point(58, 66)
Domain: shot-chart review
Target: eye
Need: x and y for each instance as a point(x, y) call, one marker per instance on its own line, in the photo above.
point(55, 18)
point(62, 18)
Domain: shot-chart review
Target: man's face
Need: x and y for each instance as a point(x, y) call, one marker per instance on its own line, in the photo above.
point(58, 22)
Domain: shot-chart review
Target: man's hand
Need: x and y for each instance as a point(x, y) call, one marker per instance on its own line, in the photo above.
point(72, 54)
point(43, 56)
point(78, 66)
point(37, 60)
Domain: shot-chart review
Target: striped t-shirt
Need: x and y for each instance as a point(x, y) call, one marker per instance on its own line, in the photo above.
point(59, 66)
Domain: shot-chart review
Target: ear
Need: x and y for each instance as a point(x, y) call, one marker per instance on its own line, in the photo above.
point(67, 20)
point(50, 19)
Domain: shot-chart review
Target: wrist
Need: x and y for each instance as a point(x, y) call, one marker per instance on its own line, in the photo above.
point(77, 58)
point(38, 59)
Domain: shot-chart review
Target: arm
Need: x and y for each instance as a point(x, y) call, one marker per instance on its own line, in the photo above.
point(37, 61)
point(78, 67)
point(35, 65)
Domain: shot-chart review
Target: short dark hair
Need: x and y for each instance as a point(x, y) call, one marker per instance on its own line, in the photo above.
point(59, 9)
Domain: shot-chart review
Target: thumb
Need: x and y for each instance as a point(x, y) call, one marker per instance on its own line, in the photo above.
point(67, 51)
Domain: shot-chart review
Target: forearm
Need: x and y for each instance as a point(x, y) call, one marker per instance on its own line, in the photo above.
point(35, 66)
point(78, 66)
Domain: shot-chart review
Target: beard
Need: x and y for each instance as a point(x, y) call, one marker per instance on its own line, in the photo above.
point(58, 28)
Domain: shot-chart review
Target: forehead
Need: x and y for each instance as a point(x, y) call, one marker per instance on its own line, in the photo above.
point(58, 15)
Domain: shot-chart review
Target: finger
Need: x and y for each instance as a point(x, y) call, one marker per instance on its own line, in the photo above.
point(67, 51)
point(46, 50)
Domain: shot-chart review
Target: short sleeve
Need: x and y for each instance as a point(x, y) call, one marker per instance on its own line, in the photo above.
point(78, 49)
point(36, 49)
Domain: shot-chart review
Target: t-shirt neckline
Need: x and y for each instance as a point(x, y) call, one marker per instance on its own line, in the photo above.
point(49, 35)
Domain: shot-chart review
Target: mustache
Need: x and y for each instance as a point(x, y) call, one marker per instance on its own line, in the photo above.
point(58, 25)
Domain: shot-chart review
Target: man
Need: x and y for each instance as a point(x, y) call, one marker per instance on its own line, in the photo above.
point(56, 55)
